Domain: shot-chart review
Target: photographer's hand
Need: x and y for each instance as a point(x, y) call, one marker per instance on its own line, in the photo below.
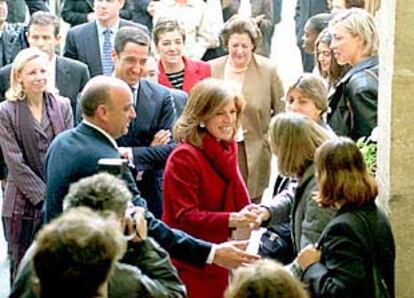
point(135, 224)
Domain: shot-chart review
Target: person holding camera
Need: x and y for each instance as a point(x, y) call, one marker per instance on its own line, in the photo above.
point(145, 268)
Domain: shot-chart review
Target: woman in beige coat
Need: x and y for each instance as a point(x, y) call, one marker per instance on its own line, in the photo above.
point(256, 78)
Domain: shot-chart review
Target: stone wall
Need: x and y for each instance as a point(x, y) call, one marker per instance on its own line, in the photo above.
point(396, 122)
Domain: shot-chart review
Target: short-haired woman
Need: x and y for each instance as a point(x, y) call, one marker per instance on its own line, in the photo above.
point(204, 193)
point(29, 120)
point(358, 237)
point(257, 79)
point(354, 104)
point(307, 96)
point(175, 69)
point(294, 139)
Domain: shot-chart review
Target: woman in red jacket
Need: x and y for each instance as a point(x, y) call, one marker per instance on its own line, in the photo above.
point(176, 70)
point(204, 193)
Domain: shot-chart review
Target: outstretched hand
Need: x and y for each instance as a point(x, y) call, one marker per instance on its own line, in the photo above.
point(231, 254)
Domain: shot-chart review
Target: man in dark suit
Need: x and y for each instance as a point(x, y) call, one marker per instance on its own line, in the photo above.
point(88, 42)
point(148, 141)
point(107, 109)
point(76, 12)
point(67, 75)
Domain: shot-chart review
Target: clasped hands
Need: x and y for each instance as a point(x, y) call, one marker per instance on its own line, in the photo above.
point(248, 217)
point(135, 224)
point(251, 216)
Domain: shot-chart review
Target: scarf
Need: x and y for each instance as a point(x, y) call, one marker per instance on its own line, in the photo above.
point(224, 159)
point(26, 132)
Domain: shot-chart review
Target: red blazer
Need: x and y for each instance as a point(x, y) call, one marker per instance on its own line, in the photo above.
point(194, 71)
point(194, 201)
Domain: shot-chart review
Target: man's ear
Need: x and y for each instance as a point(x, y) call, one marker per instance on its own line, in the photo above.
point(58, 38)
point(114, 56)
point(102, 112)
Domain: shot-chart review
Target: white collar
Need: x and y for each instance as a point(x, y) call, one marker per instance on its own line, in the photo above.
point(102, 131)
point(113, 29)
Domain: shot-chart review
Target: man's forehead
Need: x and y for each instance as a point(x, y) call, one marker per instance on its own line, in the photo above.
point(42, 29)
point(136, 51)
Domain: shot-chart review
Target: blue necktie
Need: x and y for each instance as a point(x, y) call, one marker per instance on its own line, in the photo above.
point(107, 63)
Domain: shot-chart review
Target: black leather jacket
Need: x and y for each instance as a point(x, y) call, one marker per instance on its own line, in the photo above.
point(354, 105)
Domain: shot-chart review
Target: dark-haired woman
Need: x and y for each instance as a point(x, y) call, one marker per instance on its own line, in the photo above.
point(358, 237)
point(256, 78)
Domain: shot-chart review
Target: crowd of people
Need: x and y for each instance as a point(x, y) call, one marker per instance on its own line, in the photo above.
point(180, 100)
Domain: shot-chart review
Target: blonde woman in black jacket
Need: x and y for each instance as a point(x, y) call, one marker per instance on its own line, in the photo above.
point(354, 105)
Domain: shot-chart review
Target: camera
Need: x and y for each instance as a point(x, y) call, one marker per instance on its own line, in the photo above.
point(115, 166)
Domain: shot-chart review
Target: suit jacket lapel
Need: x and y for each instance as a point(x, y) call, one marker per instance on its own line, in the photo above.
point(92, 49)
point(90, 3)
point(250, 75)
point(62, 75)
point(144, 108)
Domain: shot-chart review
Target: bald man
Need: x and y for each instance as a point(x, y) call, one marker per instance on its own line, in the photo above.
point(107, 110)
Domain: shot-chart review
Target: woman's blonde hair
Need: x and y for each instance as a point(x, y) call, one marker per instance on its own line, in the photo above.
point(16, 91)
point(206, 99)
point(263, 279)
point(312, 87)
point(294, 139)
point(358, 21)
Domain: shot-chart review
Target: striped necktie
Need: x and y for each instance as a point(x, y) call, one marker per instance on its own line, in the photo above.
point(134, 98)
point(107, 63)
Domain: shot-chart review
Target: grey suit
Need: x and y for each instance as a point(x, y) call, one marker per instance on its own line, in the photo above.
point(75, 12)
point(82, 44)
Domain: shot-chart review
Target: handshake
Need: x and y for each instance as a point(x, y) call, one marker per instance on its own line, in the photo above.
point(251, 216)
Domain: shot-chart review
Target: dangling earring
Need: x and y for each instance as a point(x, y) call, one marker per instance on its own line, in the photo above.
point(202, 124)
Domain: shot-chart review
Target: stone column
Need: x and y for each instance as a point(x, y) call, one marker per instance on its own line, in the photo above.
point(396, 123)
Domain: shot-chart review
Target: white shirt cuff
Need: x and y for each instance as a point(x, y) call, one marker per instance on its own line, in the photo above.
point(211, 255)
